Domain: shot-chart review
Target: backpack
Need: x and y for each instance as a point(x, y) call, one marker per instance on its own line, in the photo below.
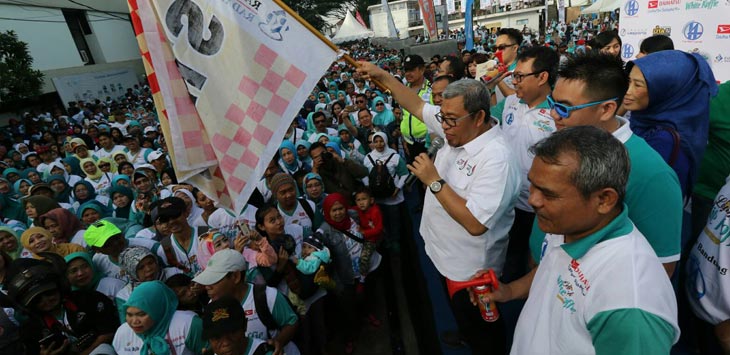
point(381, 182)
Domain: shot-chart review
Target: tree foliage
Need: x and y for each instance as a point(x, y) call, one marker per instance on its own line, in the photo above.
point(317, 11)
point(18, 79)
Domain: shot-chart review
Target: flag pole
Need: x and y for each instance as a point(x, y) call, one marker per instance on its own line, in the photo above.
point(324, 39)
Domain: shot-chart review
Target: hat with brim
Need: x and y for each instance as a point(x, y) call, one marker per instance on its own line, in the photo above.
point(99, 232)
point(219, 265)
point(222, 316)
point(36, 290)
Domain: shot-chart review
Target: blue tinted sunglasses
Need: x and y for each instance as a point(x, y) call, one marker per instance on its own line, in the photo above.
point(564, 111)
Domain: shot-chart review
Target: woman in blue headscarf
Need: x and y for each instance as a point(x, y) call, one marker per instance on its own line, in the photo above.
point(91, 212)
point(289, 163)
point(669, 99)
point(11, 174)
point(153, 324)
point(75, 165)
point(122, 199)
point(349, 145)
point(20, 188)
point(84, 192)
point(32, 175)
point(82, 274)
point(313, 187)
point(61, 189)
point(302, 147)
point(383, 115)
point(342, 96)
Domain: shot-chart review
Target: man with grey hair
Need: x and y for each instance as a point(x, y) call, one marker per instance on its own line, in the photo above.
point(600, 288)
point(473, 185)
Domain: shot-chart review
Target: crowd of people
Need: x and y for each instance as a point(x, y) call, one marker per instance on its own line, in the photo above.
point(567, 175)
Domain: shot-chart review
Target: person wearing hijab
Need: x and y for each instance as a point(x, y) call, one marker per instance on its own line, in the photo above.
point(32, 175)
point(141, 265)
point(107, 165)
point(99, 180)
point(83, 275)
point(125, 168)
point(38, 240)
point(84, 192)
point(383, 114)
point(122, 180)
point(194, 211)
point(313, 188)
point(20, 188)
point(11, 174)
point(342, 97)
point(289, 163)
point(669, 99)
point(59, 168)
point(64, 226)
point(122, 199)
point(350, 146)
point(9, 242)
point(38, 205)
point(151, 318)
point(62, 190)
point(390, 205)
point(302, 147)
point(10, 208)
point(92, 211)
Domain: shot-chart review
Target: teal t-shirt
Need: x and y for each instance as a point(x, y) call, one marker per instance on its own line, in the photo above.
point(654, 199)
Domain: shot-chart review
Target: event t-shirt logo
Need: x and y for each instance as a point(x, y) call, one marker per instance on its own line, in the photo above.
point(653, 4)
point(631, 8)
point(627, 51)
point(693, 30)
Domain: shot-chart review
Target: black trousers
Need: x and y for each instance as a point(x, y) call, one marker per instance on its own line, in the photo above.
point(483, 337)
point(518, 250)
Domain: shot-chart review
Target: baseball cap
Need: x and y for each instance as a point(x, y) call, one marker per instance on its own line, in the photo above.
point(154, 155)
point(219, 265)
point(99, 232)
point(413, 61)
point(223, 316)
point(149, 129)
point(168, 208)
point(129, 137)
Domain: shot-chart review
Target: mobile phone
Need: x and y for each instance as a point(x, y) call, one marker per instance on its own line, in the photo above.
point(244, 228)
point(52, 338)
point(350, 108)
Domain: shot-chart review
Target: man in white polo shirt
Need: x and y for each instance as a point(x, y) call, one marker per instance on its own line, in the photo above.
point(600, 288)
point(473, 186)
point(525, 119)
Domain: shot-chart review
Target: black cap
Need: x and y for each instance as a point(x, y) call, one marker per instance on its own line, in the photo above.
point(129, 137)
point(314, 242)
point(413, 61)
point(223, 316)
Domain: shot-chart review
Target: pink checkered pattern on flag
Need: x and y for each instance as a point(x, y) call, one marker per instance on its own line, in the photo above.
point(250, 72)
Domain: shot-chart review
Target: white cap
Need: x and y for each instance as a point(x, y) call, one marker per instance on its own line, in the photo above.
point(155, 155)
point(149, 129)
point(219, 265)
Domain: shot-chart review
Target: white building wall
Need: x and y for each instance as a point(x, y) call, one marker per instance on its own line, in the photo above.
point(50, 43)
point(115, 38)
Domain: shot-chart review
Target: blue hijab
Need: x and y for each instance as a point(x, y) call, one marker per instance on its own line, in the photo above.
point(91, 192)
point(160, 303)
point(680, 86)
point(384, 117)
point(303, 143)
point(75, 164)
point(294, 166)
point(115, 180)
point(65, 195)
point(16, 187)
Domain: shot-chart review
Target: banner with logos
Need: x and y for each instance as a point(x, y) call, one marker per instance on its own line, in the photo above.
point(96, 85)
point(700, 26)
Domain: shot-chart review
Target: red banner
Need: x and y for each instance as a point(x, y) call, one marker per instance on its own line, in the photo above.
point(429, 18)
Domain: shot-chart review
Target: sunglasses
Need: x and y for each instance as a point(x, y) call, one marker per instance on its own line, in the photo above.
point(504, 46)
point(564, 111)
point(360, 101)
point(380, 104)
point(104, 165)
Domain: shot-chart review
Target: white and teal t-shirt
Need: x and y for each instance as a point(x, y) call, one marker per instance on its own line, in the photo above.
point(280, 310)
point(708, 285)
point(185, 336)
point(299, 216)
point(606, 293)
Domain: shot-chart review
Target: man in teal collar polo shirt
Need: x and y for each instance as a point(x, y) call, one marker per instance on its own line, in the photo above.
point(600, 288)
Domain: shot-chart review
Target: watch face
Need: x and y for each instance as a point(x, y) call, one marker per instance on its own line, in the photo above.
point(435, 186)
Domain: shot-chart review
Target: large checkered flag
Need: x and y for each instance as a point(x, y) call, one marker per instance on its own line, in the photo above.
point(227, 77)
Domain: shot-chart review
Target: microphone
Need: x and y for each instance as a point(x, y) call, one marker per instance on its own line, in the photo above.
point(436, 144)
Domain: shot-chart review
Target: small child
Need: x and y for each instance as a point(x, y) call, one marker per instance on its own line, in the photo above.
point(371, 226)
point(314, 253)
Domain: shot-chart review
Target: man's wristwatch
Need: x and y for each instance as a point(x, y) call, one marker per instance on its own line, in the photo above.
point(436, 186)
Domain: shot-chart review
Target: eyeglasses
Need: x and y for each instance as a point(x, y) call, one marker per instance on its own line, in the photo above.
point(517, 77)
point(380, 104)
point(504, 46)
point(564, 111)
point(451, 122)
